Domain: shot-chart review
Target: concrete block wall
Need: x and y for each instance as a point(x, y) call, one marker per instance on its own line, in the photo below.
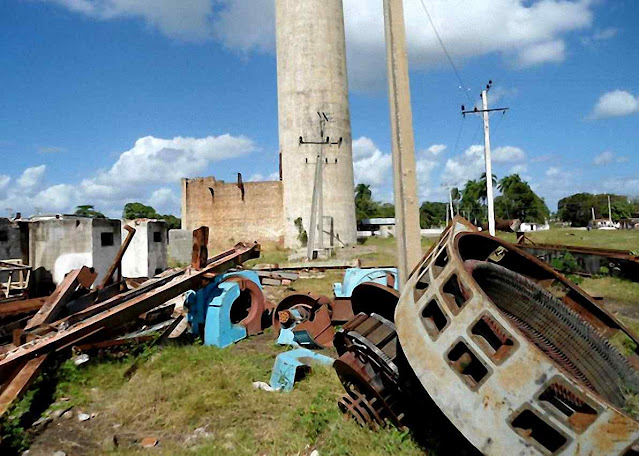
point(180, 247)
point(59, 244)
point(146, 256)
point(231, 218)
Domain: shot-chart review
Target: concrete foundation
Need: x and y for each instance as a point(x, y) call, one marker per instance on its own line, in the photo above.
point(146, 256)
point(311, 78)
point(61, 243)
point(233, 215)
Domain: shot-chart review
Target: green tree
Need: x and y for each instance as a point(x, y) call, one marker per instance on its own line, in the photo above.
point(138, 210)
point(172, 222)
point(577, 208)
point(366, 207)
point(432, 214)
point(134, 211)
point(87, 210)
point(518, 201)
point(364, 204)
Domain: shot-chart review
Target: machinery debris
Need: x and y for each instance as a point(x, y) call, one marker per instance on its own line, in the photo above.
point(516, 357)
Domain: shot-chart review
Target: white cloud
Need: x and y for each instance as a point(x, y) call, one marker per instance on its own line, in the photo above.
point(31, 176)
point(57, 198)
point(553, 171)
point(467, 166)
point(604, 158)
point(615, 104)
point(518, 169)
point(231, 22)
point(507, 154)
point(186, 20)
point(436, 149)
point(527, 33)
point(135, 176)
point(600, 35)
point(4, 181)
point(375, 168)
point(371, 165)
point(259, 177)
point(164, 200)
point(157, 160)
point(551, 51)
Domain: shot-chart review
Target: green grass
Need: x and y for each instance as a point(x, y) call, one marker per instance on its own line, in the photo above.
point(179, 389)
point(608, 239)
point(612, 288)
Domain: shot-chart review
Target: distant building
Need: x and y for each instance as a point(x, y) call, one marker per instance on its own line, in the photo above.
point(527, 227)
point(629, 223)
point(146, 256)
point(603, 224)
point(59, 243)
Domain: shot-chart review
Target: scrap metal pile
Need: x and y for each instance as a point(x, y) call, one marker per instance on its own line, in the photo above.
point(485, 340)
point(113, 313)
point(517, 357)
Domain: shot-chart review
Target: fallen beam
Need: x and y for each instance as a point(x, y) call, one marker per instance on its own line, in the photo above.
point(127, 310)
point(83, 277)
point(19, 383)
point(19, 307)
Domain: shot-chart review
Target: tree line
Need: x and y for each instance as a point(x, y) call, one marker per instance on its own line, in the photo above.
point(131, 211)
point(516, 201)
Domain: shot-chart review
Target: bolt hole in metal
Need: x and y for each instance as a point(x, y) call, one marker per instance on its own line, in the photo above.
point(492, 338)
point(530, 426)
point(469, 367)
point(434, 319)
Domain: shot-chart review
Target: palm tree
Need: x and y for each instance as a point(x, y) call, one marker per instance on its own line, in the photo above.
point(508, 182)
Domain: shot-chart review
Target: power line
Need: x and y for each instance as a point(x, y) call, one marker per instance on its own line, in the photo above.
point(459, 133)
point(441, 43)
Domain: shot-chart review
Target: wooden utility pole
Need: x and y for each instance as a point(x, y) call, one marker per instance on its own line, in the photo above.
point(489, 166)
point(407, 231)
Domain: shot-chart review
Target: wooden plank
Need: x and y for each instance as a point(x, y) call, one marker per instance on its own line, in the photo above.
point(20, 382)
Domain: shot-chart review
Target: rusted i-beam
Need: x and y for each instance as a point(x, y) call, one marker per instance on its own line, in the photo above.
point(18, 384)
point(83, 277)
point(200, 252)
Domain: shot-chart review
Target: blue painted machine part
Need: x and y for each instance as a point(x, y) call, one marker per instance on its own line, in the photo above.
point(210, 310)
point(355, 276)
point(288, 363)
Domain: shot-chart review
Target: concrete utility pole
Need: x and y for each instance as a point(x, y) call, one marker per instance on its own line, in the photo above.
point(407, 230)
point(489, 166)
point(609, 209)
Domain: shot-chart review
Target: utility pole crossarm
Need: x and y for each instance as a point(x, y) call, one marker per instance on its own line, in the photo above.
point(477, 111)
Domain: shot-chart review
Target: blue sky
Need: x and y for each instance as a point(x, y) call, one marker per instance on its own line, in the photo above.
point(109, 101)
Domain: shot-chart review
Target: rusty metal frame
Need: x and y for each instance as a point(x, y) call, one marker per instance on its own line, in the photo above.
point(484, 415)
